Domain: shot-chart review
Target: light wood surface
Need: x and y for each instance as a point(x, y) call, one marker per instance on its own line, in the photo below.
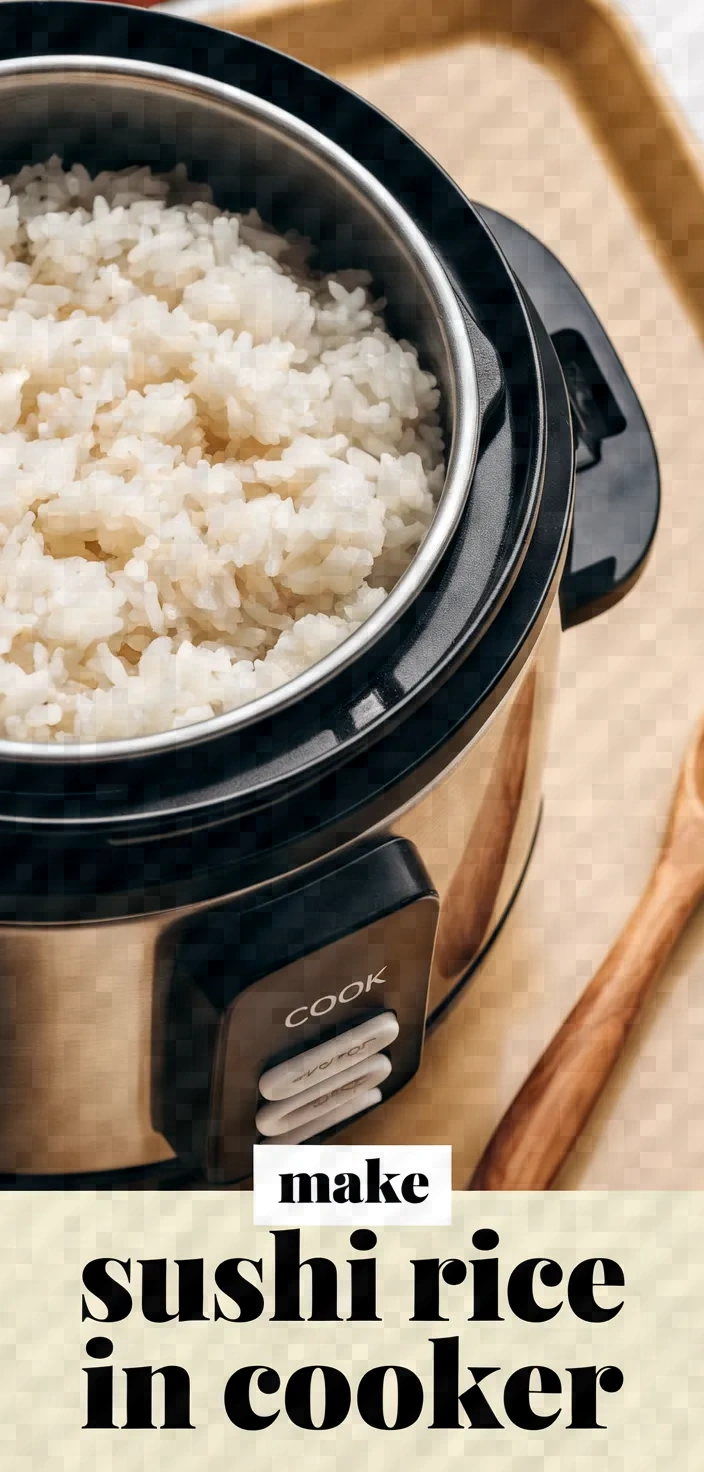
point(549, 114)
point(548, 1114)
point(592, 47)
point(631, 683)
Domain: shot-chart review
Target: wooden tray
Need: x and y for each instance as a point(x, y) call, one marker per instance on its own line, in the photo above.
point(551, 114)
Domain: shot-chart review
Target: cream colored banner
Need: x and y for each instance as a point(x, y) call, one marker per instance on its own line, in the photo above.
point(656, 1340)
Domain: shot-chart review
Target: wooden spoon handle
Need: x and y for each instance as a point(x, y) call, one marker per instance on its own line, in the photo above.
point(538, 1131)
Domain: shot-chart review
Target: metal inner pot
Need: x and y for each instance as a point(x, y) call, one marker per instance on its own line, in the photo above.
point(107, 114)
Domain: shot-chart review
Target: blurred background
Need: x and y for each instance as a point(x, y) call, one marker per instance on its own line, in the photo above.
point(672, 31)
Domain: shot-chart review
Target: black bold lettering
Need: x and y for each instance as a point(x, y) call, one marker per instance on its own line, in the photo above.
point(116, 1299)
point(347, 1188)
point(409, 1398)
point(305, 1188)
point(363, 1280)
point(427, 1272)
point(238, 1405)
point(99, 1409)
point(190, 1290)
point(287, 1282)
point(517, 1396)
point(586, 1381)
point(177, 1398)
point(378, 1190)
point(412, 1188)
point(485, 1273)
point(580, 1289)
point(446, 1391)
point(337, 1398)
point(230, 1281)
point(521, 1289)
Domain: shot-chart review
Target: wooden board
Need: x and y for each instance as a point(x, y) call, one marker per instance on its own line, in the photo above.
point(550, 114)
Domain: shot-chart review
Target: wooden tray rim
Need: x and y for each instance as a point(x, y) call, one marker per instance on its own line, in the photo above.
point(598, 55)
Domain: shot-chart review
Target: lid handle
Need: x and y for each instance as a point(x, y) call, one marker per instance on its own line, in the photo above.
point(617, 498)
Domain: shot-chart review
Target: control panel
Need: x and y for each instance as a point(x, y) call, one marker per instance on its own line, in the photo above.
point(253, 1051)
point(326, 1084)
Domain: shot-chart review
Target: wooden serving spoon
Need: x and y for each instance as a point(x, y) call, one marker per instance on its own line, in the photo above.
point(546, 1117)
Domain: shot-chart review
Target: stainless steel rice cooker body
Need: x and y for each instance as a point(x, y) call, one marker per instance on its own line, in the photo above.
point(242, 930)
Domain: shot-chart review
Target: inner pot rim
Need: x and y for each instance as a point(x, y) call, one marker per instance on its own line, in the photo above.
point(463, 408)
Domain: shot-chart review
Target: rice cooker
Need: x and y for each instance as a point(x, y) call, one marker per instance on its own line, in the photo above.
point(241, 931)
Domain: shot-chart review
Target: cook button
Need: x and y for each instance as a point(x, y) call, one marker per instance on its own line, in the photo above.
point(274, 1119)
point(363, 1099)
point(327, 1059)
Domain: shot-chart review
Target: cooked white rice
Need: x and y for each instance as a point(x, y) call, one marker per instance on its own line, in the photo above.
point(214, 464)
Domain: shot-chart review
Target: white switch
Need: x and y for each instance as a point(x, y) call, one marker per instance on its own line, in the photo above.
point(327, 1059)
point(274, 1119)
point(365, 1099)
